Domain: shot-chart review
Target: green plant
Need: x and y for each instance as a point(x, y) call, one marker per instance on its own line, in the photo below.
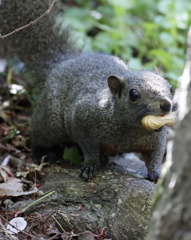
point(143, 33)
point(72, 154)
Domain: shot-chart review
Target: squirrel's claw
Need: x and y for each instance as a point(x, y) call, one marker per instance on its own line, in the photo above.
point(153, 176)
point(87, 173)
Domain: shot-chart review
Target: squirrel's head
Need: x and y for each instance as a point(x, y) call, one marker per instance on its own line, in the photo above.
point(142, 93)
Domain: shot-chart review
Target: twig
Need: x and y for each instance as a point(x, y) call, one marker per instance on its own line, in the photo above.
point(54, 237)
point(5, 231)
point(50, 216)
point(31, 23)
point(36, 201)
point(31, 204)
point(58, 224)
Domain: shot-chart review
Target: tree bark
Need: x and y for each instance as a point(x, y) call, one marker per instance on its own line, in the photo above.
point(114, 201)
point(171, 218)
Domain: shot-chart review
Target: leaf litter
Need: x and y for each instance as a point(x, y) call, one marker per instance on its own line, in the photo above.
point(19, 178)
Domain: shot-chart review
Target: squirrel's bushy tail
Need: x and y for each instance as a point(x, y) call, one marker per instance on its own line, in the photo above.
point(39, 46)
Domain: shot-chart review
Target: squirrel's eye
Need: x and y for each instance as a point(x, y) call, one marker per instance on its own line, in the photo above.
point(134, 95)
point(171, 89)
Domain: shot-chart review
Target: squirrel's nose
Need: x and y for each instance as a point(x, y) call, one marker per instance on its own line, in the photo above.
point(165, 106)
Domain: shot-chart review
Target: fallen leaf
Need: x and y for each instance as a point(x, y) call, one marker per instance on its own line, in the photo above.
point(4, 116)
point(34, 167)
point(6, 161)
point(13, 188)
point(31, 169)
point(5, 173)
point(11, 148)
point(8, 203)
point(19, 223)
point(19, 141)
point(86, 236)
point(2, 131)
point(22, 174)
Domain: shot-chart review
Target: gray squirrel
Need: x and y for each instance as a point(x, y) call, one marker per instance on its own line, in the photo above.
point(91, 99)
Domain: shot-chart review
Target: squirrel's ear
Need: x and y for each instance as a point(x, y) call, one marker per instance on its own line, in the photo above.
point(116, 85)
point(155, 69)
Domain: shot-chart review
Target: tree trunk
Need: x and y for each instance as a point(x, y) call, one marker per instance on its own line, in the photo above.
point(172, 215)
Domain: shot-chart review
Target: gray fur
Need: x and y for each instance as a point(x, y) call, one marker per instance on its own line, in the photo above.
point(79, 104)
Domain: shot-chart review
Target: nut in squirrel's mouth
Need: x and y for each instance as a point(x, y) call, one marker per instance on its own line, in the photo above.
point(151, 122)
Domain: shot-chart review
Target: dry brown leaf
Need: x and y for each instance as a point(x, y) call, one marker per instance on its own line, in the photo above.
point(4, 116)
point(19, 141)
point(86, 236)
point(5, 173)
point(13, 188)
point(3, 148)
point(11, 148)
point(8, 203)
point(22, 174)
point(31, 169)
point(34, 167)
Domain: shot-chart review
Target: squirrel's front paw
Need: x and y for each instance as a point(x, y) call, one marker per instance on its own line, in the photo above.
point(153, 176)
point(87, 172)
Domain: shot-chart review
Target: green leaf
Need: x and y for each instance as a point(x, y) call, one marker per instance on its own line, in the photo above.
point(12, 133)
point(72, 154)
point(135, 64)
point(166, 38)
point(3, 74)
point(123, 4)
point(163, 56)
